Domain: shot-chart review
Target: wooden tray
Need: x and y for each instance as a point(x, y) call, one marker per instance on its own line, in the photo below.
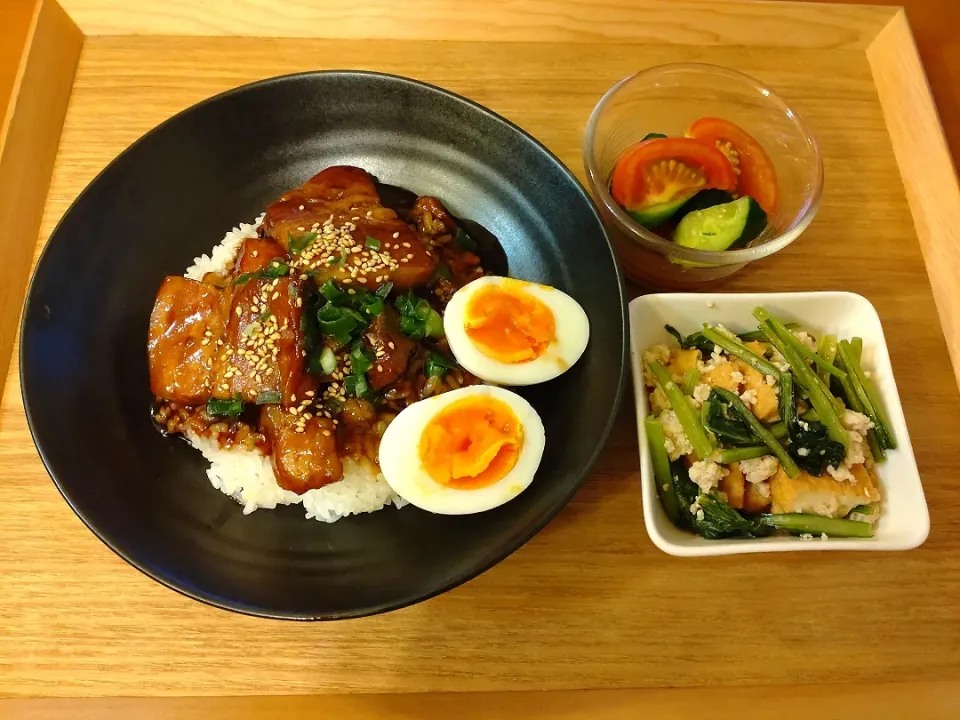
point(589, 603)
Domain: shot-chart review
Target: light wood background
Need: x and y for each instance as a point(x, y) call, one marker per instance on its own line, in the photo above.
point(589, 603)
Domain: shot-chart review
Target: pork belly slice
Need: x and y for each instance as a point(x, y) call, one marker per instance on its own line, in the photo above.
point(185, 325)
point(336, 228)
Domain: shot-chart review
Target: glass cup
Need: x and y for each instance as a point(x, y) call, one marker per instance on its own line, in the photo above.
point(667, 99)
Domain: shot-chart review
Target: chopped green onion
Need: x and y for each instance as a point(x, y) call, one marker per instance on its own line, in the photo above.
point(818, 525)
point(338, 260)
point(276, 269)
point(233, 406)
point(264, 316)
point(328, 361)
point(438, 365)
point(299, 243)
point(331, 292)
point(268, 397)
point(433, 326)
point(333, 406)
point(338, 323)
point(385, 289)
point(464, 241)
point(292, 291)
point(372, 243)
point(688, 417)
point(662, 475)
point(361, 359)
point(357, 386)
point(253, 328)
point(371, 304)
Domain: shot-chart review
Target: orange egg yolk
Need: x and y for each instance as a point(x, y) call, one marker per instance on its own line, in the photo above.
point(508, 324)
point(471, 443)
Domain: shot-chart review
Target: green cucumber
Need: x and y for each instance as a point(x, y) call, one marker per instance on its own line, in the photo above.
point(722, 227)
point(653, 136)
point(654, 215)
point(703, 200)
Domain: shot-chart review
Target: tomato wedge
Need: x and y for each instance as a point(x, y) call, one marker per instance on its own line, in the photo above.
point(756, 174)
point(665, 172)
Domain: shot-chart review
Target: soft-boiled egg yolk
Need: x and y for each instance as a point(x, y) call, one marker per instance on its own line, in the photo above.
point(509, 324)
point(513, 332)
point(472, 443)
point(463, 451)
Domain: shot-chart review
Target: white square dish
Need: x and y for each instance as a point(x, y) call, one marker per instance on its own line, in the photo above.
point(905, 522)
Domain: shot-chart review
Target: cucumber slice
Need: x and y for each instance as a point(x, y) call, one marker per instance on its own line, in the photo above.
point(722, 227)
point(704, 199)
point(653, 136)
point(654, 215)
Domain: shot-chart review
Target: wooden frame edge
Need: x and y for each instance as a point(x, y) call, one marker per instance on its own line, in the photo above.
point(29, 138)
point(926, 166)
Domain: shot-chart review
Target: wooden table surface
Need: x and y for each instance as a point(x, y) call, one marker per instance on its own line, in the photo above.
point(899, 621)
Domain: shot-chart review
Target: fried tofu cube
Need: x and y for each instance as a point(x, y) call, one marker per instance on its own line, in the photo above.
point(757, 347)
point(682, 361)
point(723, 376)
point(262, 344)
point(304, 450)
point(733, 485)
point(757, 497)
point(822, 495)
point(767, 405)
point(186, 322)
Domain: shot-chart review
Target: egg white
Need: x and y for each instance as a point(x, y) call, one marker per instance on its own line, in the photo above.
point(572, 336)
point(400, 456)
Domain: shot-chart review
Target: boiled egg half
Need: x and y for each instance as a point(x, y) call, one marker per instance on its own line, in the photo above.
point(464, 451)
point(513, 332)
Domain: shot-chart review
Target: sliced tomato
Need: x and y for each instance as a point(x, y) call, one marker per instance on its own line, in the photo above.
point(756, 174)
point(665, 171)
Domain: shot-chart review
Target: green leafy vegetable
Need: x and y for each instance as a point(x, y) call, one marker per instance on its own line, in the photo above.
point(725, 423)
point(384, 290)
point(695, 340)
point(720, 520)
point(299, 243)
point(372, 243)
point(765, 436)
point(438, 365)
point(868, 398)
point(232, 407)
point(268, 397)
point(810, 445)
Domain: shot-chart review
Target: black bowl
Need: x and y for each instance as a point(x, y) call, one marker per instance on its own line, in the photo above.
point(170, 197)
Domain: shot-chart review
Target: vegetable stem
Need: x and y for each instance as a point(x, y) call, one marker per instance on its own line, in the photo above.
point(758, 336)
point(737, 348)
point(789, 466)
point(869, 400)
point(828, 351)
point(821, 399)
point(690, 381)
point(685, 412)
point(661, 470)
point(732, 455)
point(853, 402)
point(790, 339)
point(857, 345)
point(818, 525)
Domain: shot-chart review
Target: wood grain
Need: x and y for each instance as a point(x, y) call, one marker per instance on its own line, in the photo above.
point(928, 174)
point(928, 700)
point(589, 603)
point(686, 22)
point(49, 47)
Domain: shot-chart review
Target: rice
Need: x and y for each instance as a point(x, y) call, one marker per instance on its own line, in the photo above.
point(248, 476)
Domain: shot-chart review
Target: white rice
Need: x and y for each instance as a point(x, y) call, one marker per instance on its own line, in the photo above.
point(247, 475)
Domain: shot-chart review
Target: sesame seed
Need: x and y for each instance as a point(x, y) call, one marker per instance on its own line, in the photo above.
point(205, 341)
point(406, 245)
point(300, 208)
point(299, 304)
point(275, 296)
point(255, 253)
point(310, 393)
point(396, 235)
point(225, 386)
point(379, 368)
point(301, 228)
point(391, 345)
point(258, 378)
point(326, 433)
